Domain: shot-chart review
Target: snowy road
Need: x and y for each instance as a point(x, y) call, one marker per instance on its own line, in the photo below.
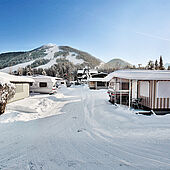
point(79, 129)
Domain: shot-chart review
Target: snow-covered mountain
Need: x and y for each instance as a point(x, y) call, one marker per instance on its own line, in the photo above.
point(45, 57)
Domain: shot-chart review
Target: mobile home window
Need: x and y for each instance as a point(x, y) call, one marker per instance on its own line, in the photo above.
point(43, 84)
point(144, 88)
point(100, 83)
point(163, 90)
point(124, 86)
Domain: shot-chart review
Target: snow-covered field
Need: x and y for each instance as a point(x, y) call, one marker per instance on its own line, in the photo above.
point(79, 129)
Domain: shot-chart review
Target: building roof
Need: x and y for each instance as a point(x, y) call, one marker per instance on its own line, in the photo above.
point(12, 78)
point(57, 78)
point(80, 71)
point(142, 74)
point(44, 78)
point(105, 79)
point(93, 71)
point(98, 75)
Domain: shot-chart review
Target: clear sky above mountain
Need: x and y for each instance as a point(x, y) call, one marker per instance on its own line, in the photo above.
point(134, 30)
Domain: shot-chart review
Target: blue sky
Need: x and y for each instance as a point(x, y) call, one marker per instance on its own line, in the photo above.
point(134, 30)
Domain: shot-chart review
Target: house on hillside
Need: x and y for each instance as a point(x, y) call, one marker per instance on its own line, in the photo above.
point(98, 81)
point(148, 89)
point(22, 85)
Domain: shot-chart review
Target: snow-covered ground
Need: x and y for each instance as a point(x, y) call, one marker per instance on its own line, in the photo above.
point(79, 129)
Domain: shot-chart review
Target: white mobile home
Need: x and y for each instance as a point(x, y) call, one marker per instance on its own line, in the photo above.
point(44, 84)
point(151, 87)
point(22, 85)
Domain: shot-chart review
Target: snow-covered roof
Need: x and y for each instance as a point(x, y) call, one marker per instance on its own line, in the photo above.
point(57, 78)
point(142, 74)
point(97, 79)
point(12, 78)
point(80, 71)
point(105, 79)
point(99, 74)
point(42, 77)
point(93, 71)
point(109, 76)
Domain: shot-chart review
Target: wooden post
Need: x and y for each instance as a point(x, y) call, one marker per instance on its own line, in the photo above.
point(115, 97)
point(120, 91)
point(129, 93)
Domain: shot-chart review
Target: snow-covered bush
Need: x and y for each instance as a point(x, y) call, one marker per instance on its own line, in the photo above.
point(7, 91)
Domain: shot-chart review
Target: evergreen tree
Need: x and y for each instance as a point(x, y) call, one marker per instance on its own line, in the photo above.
point(161, 67)
point(156, 65)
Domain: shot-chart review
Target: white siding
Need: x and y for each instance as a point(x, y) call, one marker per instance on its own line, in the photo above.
point(22, 91)
point(134, 89)
point(144, 88)
point(163, 89)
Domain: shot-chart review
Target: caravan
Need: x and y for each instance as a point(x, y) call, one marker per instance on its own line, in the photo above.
point(44, 84)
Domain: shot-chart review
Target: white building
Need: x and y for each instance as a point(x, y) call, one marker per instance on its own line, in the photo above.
point(22, 85)
point(152, 87)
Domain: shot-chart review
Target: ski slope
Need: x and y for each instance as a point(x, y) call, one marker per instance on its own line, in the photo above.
point(79, 129)
point(50, 51)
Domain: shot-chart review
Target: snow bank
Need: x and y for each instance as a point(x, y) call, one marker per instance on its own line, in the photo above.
point(36, 107)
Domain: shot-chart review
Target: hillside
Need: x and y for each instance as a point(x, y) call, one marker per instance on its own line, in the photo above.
point(45, 57)
point(116, 64)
